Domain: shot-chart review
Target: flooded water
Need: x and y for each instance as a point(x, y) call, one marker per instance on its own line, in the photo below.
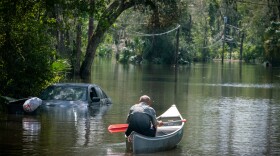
point(231, 109)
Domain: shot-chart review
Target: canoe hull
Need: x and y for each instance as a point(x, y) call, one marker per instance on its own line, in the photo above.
point(144, 144)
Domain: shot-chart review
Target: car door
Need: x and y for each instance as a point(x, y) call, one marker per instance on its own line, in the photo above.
point(100, 94)
point(105, 100)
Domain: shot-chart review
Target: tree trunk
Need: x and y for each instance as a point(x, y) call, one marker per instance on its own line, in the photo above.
point(90, 52)
point(60, 33)
point(78, 49)
point(91, 20)
point(241, 46)
point(177, 49)
point(117, 41)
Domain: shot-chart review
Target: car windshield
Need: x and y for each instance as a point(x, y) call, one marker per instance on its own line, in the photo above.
point(67, 93)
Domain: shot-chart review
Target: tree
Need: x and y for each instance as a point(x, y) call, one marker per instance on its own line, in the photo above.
point(107, 18)
point(26, 58)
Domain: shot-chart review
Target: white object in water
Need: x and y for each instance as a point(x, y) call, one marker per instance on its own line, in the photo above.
point(32, 104)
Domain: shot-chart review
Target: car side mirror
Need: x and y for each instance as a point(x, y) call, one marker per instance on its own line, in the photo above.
point(95, 99)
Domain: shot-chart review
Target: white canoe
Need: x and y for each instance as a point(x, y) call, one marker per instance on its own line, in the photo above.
point(167, 137)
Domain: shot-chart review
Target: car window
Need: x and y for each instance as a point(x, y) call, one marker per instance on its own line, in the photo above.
point(93, 93)
point(68, 93)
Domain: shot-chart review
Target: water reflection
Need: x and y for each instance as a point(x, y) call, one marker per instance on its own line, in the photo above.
point(90, 130)
point(31, 128)
point(232, 126)
point(31, 133)
point(54, 132)
point(240, 85)
point(242, 126)
point(84, 125)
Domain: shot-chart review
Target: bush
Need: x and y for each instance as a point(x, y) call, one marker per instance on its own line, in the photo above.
point(104, 50)
point(252, 52)
point(125, 55)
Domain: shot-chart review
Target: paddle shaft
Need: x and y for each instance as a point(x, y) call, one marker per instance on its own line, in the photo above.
point(122, 127)
point(166, 123)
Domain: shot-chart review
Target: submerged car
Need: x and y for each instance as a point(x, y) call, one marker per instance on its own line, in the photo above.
point(74, 94)
point(59, 96)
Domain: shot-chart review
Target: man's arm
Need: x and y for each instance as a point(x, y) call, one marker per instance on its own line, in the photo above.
point(155, 122)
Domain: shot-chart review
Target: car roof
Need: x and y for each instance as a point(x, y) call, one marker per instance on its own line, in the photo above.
point(74, 84)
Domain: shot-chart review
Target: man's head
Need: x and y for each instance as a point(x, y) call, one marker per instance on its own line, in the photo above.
point(146, 99)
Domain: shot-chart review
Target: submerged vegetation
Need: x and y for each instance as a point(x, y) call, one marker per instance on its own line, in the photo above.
point(41, 42)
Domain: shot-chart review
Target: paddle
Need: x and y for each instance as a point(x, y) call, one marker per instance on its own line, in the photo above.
point(115, 128)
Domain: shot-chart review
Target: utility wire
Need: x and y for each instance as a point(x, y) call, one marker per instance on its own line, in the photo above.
point(135, 33)
point(213, 44)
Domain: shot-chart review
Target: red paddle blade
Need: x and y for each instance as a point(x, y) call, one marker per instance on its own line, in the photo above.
point(117, 128)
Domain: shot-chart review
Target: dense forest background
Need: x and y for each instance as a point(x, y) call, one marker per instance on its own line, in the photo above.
point(42, 41)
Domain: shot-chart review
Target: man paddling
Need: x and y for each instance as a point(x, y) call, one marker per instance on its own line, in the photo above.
point(142, 118)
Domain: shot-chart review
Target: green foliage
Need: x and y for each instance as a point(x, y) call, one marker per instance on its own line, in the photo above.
point(104, 50)
point(163, 16)
point(252, 53)
point(272, 43)
point(186, 54)
point(60, 66)
point(137, 45)
point(166, 49)
point(125, 55)
point(133, 51)
point(213, 12)
point(26, 50)
point(160, 49)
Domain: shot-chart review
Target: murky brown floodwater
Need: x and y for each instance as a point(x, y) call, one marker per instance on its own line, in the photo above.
point(231, 109)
